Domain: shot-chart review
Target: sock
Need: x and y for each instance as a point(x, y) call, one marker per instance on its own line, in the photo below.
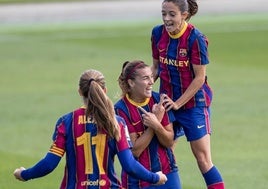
point(216, 186)
point(213, 179)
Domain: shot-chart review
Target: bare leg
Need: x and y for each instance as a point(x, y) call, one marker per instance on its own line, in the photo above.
point(202, 153)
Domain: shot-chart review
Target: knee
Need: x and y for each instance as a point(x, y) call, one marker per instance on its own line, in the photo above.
point(204, 163)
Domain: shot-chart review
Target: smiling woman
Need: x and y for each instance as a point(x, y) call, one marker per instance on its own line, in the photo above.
point(150, 127)
point(185, 84)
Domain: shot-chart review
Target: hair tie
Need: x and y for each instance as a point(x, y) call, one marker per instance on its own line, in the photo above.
point(133, 70)
point(89, 81)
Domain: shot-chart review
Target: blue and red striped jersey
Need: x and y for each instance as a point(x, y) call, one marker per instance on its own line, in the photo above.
point(155, 157)
point(176, 55)
point(89, 152)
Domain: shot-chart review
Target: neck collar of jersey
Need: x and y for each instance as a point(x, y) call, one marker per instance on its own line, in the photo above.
point(137, 103)
point(176, 36)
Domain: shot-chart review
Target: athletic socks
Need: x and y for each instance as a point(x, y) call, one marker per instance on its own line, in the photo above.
point(213, 179)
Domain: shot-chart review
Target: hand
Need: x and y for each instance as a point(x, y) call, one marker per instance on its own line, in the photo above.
point(149, 119)
point(158, 109)
point(168, 103)
point(163, 178)
point(17, 173)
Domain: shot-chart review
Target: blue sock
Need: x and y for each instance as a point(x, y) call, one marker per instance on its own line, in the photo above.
point(212, 176)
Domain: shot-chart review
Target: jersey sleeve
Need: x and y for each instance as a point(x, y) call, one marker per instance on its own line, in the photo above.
point(135, 169)
point(42, 168)
point(168, 118)
point(53, 157)
point(155, 36)
point(59, 138)
point(126, 119)
point(124, 142)
point(199, 50)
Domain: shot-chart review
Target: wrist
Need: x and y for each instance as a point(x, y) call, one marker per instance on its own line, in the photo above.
point(176, 106)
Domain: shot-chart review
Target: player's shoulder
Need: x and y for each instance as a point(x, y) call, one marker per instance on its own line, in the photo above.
point(120, 121)
point(195, 32)
point(158, 29)
point(156, 96)
point(119, 118)
point(68, 117)
point(65, 117)
point(120, 105)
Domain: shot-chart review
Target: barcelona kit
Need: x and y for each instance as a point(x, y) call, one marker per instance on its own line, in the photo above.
point(176, 54)
point(155, 157)
point(89, 152)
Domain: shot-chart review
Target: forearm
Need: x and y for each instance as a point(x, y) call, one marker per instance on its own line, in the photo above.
point(142, 142)
point(165, 135)
point(135, 169)
point(42, 168)
point(195, 85)
point(154, 69)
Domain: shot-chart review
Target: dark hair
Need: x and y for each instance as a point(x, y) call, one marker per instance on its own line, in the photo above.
point(190, 6)
point(129, 71)
point(98, 105)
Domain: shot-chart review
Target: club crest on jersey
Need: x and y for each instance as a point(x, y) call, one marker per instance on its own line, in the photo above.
point(183, 52)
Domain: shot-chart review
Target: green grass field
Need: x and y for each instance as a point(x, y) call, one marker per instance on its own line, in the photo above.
point(41, 65)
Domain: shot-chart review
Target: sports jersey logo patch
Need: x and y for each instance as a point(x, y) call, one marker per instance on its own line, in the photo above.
point(93, 183)
point(183, 52)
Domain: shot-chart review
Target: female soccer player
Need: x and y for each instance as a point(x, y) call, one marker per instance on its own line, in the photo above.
point(90, 136)
point(150, 127)
point(180, 57)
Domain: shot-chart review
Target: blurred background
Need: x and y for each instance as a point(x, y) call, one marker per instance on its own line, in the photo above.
point(34, 11)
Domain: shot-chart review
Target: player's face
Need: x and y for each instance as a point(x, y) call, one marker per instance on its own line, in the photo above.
point(142, 85)
point(172, 17)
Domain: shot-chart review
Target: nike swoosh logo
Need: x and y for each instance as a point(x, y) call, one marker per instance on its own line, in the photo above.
point(135, 123)
point(161, 50)
point(200, 126)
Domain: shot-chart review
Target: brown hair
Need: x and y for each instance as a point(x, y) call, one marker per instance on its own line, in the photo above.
point(190, 6)
point(129, 71)
point(98, 104)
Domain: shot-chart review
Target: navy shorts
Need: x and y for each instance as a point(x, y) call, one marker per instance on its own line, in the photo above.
point(194, 122)
point(173, 182)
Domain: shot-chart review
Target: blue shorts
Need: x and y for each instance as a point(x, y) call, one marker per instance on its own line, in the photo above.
point(173, 182)
point(195, 122)
point(178, 130)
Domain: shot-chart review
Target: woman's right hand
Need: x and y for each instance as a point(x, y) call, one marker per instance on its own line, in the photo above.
point(169, 104)
point(17, 173)
point(163, 178)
